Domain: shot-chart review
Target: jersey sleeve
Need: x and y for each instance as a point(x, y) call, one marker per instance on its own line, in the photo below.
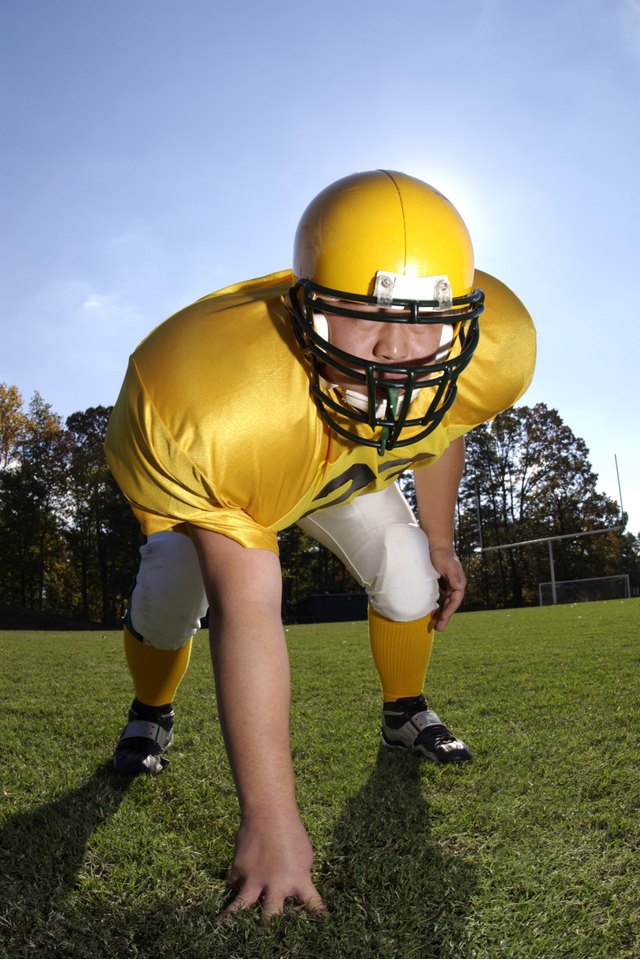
point(504, 361)
point(163, 485)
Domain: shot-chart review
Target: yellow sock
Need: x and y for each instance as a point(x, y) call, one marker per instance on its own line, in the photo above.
point(156, 673)
point(401, 654)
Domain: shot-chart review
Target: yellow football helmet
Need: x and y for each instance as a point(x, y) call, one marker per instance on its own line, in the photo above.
point(384, 246)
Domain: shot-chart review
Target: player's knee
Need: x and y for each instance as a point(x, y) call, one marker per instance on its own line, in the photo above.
point(168, 599)
point(406, 586)
point(401, 606)
point(165, 629)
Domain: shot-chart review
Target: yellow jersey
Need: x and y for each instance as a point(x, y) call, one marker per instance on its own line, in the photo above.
point(215, 424)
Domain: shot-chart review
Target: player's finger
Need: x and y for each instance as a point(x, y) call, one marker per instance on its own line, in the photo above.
point(316, 905)
point(273, 906)
point(242, 901)
point(311, 901)
point(446, 610)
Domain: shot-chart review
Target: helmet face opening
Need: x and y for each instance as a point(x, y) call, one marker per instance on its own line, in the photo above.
point(388, 389)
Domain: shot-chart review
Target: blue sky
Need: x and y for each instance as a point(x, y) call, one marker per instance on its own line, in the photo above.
point(154, 151)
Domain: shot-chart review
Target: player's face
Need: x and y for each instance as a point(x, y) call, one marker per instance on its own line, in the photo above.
point(409, 344)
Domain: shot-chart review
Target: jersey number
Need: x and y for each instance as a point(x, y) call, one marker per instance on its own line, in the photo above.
point(357, 477)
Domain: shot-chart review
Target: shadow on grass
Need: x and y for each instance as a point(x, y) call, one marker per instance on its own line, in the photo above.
point(394, 890)
point(41, 853)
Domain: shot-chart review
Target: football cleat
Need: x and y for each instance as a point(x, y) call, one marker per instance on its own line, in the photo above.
point(142, 743)
point(410, 725)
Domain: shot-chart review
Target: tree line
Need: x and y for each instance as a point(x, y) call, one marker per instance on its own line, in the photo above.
point(528, 477)
point(69, 542)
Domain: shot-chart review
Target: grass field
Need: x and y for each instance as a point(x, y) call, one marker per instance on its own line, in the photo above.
point(531, 851)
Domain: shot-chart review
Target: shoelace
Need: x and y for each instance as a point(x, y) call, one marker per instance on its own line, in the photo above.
point(436, 734)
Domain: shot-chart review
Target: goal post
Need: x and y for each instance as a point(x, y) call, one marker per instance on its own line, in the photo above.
point(615, 587)
point(550, 540)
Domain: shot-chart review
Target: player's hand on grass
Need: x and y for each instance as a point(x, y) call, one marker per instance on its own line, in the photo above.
point(272, 863)
point(452, 584)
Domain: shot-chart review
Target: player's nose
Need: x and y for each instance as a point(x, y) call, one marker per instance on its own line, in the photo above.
point(392, 343)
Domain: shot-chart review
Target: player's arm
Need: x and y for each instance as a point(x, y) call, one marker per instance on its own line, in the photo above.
point(436, 493)
point(273, 855)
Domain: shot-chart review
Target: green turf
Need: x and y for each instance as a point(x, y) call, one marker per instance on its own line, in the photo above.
point(531, 851)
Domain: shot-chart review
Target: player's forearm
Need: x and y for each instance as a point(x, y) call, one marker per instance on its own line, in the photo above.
point(252, 682)
point(436, 494)
point(251, 669)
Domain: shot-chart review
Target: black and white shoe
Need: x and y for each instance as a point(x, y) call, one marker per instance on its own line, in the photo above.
point(144, 740)
point(410, 725)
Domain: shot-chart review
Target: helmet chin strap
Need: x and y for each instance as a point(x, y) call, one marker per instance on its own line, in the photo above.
point(393, 399)
point(386, 407)
point(359, 400)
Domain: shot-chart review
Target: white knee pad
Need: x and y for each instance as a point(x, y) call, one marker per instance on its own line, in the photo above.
point(379, 540)
point(168, 599)
point(405, 586)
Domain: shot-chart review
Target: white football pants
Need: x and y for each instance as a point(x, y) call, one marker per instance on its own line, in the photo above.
point(376, 536)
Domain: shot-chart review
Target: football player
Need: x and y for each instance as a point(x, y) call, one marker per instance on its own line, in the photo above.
point(301, 397)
